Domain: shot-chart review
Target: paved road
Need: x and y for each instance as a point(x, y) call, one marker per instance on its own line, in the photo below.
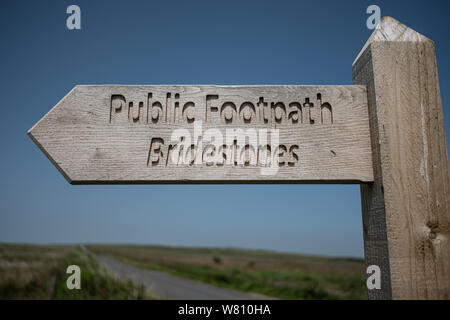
point(166, 286)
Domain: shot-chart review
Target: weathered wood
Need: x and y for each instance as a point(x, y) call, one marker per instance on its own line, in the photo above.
point(111, 134)
point(406, 211)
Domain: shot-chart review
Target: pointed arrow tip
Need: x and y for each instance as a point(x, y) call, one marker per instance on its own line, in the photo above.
point(49, 157)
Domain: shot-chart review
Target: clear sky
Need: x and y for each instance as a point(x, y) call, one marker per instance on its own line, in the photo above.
point(182, 42)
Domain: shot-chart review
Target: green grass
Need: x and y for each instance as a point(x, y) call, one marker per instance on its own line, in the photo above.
point(39, 272)
point(284, 276)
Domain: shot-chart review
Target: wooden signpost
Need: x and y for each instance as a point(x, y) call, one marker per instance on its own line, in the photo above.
point(385, 132)
point(131, 134)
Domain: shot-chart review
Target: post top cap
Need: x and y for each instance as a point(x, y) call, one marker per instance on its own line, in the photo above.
point(390, 29)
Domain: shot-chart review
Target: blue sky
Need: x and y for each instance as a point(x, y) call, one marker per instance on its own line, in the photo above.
point(182, 42)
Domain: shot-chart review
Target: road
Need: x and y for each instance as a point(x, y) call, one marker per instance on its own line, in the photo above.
point(166, 286)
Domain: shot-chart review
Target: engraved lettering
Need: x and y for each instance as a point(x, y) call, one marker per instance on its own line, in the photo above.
point(117, 105)
point(135, 112)
point(209, 107)
point(155, 155)
point(188, 112)
point(228, 112)
point(177, 110)
point(247, 112)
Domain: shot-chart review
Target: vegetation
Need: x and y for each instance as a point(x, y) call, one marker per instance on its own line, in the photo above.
point(39, 272)
point(217, 260)
point(285, 276)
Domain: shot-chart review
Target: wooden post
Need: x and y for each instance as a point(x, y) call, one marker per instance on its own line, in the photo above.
point(406, 210)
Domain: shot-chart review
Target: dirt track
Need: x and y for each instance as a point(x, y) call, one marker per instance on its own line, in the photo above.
point(166, 286)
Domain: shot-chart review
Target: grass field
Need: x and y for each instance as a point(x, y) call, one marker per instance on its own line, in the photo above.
point(285, 276)
point(39, 272)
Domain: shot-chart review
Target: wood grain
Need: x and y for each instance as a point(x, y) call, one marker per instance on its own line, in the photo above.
point(406, 211)
point(103, 134)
